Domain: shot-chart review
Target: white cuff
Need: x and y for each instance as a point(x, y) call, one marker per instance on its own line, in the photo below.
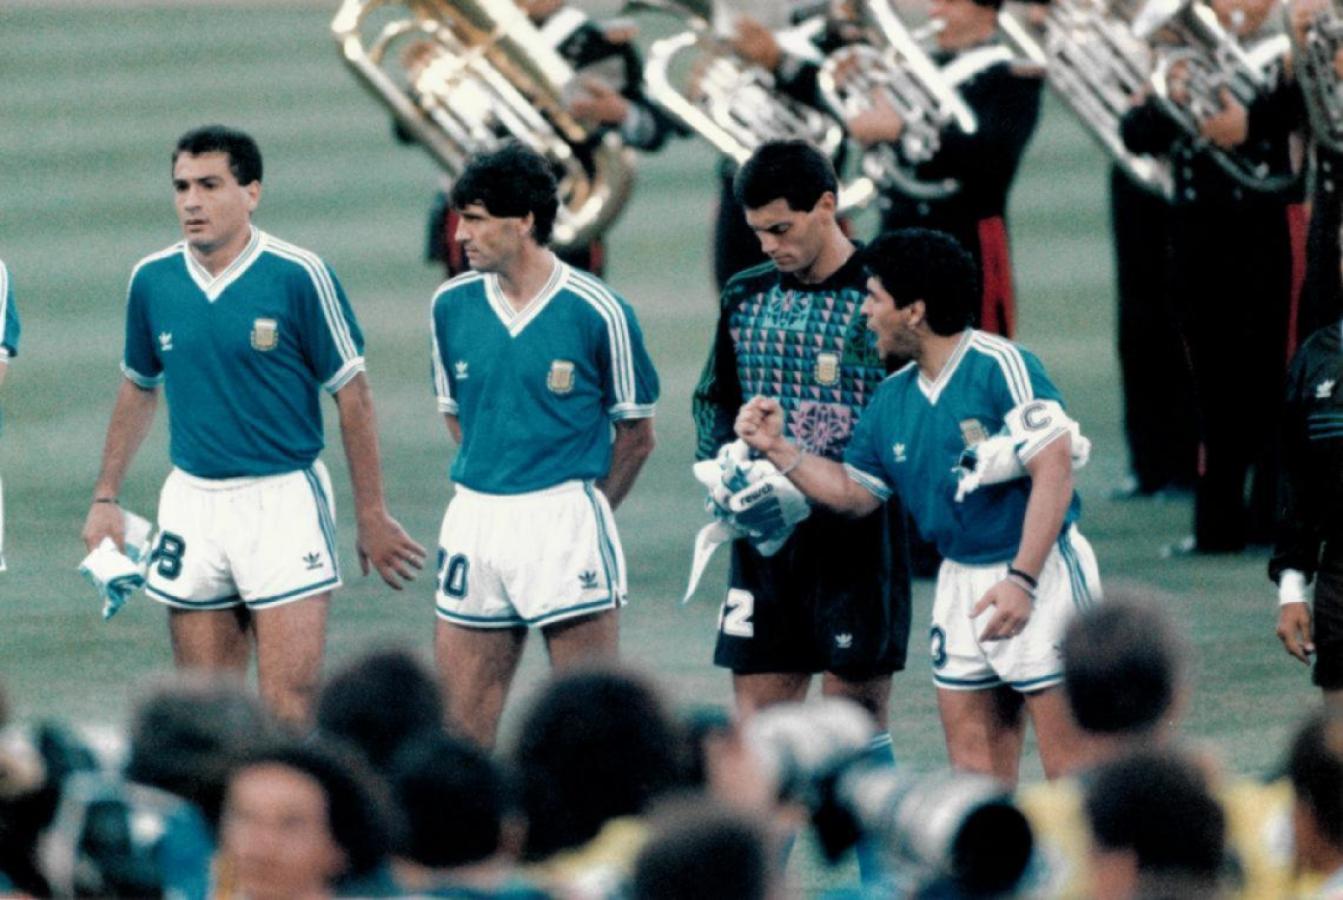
point(1292, 587)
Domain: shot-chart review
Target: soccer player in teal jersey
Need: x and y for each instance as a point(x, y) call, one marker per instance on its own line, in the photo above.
point(533, 363)
point(9, 321)
point(243, 331)
point(1011, 549)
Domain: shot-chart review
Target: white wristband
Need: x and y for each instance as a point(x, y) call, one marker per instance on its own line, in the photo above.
point(1292, 587)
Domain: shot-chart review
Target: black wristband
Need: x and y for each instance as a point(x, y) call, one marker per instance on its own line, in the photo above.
point(107, 500)
point(1013, 570)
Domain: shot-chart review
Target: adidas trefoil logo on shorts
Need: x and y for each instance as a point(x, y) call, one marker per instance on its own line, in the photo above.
point(844, 640)
point(588, 580)
point(312, 560)
point(1325, 389)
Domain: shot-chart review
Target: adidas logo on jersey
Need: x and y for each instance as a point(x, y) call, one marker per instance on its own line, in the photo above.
point(312, 560)
point(165, 341)
point(899, 451)
point(1325, 389)
point(459, 368)
point(588, 580)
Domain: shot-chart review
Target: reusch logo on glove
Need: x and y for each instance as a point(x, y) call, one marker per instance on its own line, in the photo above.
point(758, 492)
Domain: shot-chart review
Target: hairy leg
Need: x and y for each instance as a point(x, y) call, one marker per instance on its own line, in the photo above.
point(475, 669)
point(984, 730)
point(588, 639)
point(213, 640)
point(290, 640)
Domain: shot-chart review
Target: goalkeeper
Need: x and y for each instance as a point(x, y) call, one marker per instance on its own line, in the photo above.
point(832, 595)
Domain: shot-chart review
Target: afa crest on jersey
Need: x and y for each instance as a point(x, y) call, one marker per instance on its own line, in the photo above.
point(561, 377)
point(827, 369)
point(265, 334)
point(973, 432)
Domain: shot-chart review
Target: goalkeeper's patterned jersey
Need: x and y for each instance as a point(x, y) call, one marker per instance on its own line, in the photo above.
point(9, 317)
point(536, 390)
point(913, 434)
point(241, 354)
point(1311, 492)
point(806, 345)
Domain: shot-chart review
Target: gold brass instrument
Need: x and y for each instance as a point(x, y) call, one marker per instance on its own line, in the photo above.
point(896, 67)
point(1095, 63)
point(465, 76)
point(1313, 62)
point(1208, 58)
point(730, 102)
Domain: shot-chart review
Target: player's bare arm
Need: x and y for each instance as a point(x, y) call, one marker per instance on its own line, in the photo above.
point(381, 541)
point(1051, 473)
point(633, 444)
point(4, 367)
point(1294, 630)
point(454, 427)
point(760, 425)
point(132, 416)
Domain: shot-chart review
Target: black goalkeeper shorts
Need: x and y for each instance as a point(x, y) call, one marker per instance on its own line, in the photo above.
point(835, 598)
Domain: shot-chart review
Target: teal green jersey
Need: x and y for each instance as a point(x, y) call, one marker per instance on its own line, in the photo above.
point(536, 390)
point(913, 433)
point(242, 354)
point(9, 317)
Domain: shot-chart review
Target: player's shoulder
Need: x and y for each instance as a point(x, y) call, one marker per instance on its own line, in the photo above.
point(1326, 340)
point(291, 257)
point(1005, 354)
point(595, 295)
point(158, 261)
point(896, 382)
point(750, 281)
point(457, 288)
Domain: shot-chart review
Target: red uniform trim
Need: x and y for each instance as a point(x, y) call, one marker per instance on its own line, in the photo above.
point(1298, 220)
point(998, 310)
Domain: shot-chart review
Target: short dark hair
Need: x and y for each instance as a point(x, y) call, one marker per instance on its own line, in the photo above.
point(922, 264)
point(244, 157)
point(1122, 666)
point(595, 745)
point(511, 182)
point(453, 799)
point(359, 814)
point(1315, 768)
point(700, 849)
point(1158, 806)
point(794, 171)
point(188, 734)
point(378, 702)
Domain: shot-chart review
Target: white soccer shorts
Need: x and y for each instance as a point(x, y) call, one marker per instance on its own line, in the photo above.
point(259, 542)
point(1030, 661)
point(521, 560)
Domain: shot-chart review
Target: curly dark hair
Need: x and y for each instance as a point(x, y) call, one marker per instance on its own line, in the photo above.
point(244, 157)
point(921, 264)
point(511, 182)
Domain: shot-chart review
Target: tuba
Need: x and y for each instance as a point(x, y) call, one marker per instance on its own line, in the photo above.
point(1212, 58)
point(1094, 62)
point(733, 104)
point(1313, 57)
point(464, 77)
point(896, 67)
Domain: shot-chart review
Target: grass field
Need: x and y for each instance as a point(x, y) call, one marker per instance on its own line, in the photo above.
point(93, 97)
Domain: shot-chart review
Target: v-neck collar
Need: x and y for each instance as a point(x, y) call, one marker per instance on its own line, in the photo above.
point(932, 390)
point(212, 286)
point(517, 319)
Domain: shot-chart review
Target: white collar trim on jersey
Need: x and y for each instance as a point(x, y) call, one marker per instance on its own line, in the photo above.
point(214, 285)
point(933, 389)
point(516, 320)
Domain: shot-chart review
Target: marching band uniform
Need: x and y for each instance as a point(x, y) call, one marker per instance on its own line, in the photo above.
point(1158, 396)
point(1006, 103)
point(1231, 268)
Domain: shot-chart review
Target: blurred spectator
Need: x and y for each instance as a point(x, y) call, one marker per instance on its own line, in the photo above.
point(462, 835)
point(595, 749)
point(700, 850)
point(304, 820)
point(379, 702)
point(1157, 830)
point(1315, 768)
